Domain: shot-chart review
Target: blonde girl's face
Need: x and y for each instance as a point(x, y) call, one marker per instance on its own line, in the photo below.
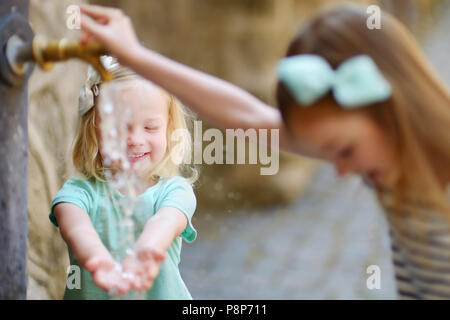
point(146, 125)
point(351, 140)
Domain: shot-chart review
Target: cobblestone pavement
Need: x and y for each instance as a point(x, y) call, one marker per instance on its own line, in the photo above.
point(319, 247)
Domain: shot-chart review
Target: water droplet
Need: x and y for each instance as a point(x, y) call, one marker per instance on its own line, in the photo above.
point(108, 108)
point(113, 133)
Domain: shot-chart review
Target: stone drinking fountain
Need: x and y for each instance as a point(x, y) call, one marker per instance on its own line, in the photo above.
point(20, 51)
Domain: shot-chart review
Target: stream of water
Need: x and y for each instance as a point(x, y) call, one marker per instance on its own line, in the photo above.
point(114, 116)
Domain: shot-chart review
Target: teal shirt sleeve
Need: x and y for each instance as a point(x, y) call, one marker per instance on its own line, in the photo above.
point(178, 193)
point(76, 191)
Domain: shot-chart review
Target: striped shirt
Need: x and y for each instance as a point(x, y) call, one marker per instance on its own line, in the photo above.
point(420, 242)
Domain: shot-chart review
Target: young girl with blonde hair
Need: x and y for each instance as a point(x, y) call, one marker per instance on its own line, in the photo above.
point(88, 209)
point(366, 100)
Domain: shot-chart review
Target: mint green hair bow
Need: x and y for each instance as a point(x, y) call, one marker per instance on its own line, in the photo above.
point(357, 82)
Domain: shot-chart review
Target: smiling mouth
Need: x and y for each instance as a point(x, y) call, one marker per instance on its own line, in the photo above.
point(137, 157)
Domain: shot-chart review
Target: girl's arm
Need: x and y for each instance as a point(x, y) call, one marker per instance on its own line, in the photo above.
point(152, 245)
point(161, 229)
point(223, 104)
point(79, 234)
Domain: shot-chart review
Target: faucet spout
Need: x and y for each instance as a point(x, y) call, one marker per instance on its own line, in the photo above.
point(46, 52)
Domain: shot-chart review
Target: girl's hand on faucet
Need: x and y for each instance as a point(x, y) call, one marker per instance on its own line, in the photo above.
point(111, 27)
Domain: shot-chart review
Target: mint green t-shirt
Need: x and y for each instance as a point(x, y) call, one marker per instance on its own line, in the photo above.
point(101, 204)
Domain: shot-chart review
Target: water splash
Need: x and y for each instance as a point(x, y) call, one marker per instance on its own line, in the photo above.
point(115, 116)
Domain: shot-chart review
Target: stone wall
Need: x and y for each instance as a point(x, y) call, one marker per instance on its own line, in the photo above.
point(52, 115)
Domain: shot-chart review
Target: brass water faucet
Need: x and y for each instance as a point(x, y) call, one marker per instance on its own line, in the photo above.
point(46, 52)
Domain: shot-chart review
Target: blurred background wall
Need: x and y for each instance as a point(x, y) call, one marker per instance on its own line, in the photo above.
point(239, 41)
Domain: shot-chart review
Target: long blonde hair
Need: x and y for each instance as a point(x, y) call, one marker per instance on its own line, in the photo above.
point(417, 116)
point(86, 156)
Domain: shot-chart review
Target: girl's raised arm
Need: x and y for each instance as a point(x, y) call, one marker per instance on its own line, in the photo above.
point(223, 104)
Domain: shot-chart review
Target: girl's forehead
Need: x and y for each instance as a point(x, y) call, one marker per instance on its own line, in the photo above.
point(142, 96)
point(321, 125)
point(304, 118)
point(138, 87)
